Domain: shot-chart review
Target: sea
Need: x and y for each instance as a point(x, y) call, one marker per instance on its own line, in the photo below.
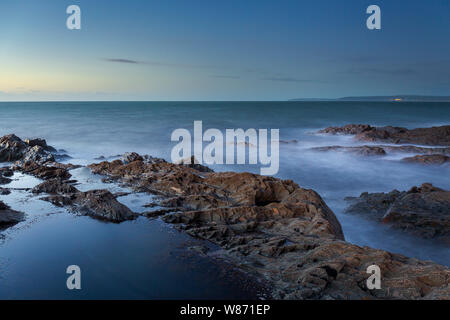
point(148, 259)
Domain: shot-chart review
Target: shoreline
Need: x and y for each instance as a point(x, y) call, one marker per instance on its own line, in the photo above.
point(184, 196)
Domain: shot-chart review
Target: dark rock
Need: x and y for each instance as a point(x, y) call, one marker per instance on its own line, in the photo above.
point(436, 159)
point(9, 217)
point(102, 204)
point(4, 192)
point(12, 148)
point(422, 211)
point(45, 172)
point(425, 136)
point(279, 231)
point(55, 186)
point(41, 143)
point(131, 157)
point(360, 150)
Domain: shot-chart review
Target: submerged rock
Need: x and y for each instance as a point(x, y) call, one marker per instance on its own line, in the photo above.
point(437, 159)
point(9, 217)
point(278, 231)
point(439, 136)
point(422, 211)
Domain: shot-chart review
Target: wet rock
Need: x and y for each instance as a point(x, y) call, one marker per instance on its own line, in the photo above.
point(12, 148)
point(279, 231)
point(436, 159)
point(55, 186)
point(439, 136)
point(9, 217)
point(360, 150)
point(423, 211)
point(45, 172)
point(6, 172)
point(4, 180)
point(4, 192)
point(193, 163)
point(131, 157)
point(41, 143)
point(102, 204)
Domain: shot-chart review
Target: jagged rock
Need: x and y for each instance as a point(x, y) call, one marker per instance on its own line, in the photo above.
point(55, 186)
point(100, 204)
point(12, 148)
point(45, 172)
point(131, 157)
point(9, 217)
point(425, 136)
point(41, 143)
point(193, 163)
point(437, 159)
point(279, 231)
point(423, 211)
point(4, 192)
point(361, 150)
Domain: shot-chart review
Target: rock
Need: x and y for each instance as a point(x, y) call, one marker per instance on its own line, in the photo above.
point(102, 204)
point(99, 204)
point(41, 143)
point(6, 172)
point(4, 192)
point(12, 148)
point(360, 150)
point(424, 136)
point(9, 217)
point(423, 211)
point(131, 157)
point(438, 159)
point(4, 180)
point(278, 231)
point(45, 172)
point(348, 129)
point(192, 162)
point(375, 204)
point(55, 186)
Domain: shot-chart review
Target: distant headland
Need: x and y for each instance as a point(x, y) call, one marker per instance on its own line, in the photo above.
point(397, 98)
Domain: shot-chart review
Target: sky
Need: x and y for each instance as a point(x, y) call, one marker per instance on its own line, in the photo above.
point(222, 50)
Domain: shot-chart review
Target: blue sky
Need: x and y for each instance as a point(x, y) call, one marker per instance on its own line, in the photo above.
point(222, 50)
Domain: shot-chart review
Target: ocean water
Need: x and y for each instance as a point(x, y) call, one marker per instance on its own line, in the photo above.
point(148, 259)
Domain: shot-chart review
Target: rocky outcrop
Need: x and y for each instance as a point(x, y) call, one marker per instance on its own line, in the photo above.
point(278, 231)
point(381, 150)
point(422, 211)
point(436, 159)
point(45, 171)
point(12, 148)
point(360, 150)
point(438, 136)
point(99, 204)
point(9, 217)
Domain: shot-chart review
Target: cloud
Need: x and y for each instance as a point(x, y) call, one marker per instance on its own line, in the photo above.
point(386, 71)
point(225, 77)
point(288, 79)
point(159, 64)
point(120, 60)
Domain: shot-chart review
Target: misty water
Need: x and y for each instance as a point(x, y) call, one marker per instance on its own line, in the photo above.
point(147, 258)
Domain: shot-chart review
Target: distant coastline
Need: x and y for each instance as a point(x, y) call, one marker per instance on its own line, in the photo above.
point(396, 98)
